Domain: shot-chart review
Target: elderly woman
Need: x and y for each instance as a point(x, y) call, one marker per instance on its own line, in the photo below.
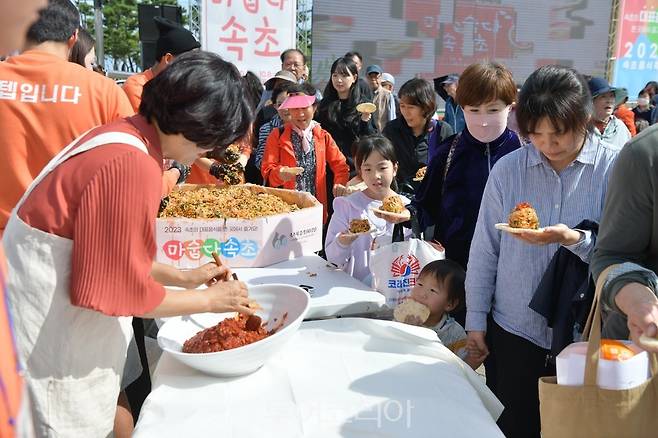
point(298, 154)
point(563, 173)
point(80, 244)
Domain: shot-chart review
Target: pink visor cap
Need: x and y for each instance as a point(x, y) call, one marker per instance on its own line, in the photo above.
point(300, 101)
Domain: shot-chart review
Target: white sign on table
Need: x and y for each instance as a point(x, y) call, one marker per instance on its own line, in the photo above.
point(252, 34)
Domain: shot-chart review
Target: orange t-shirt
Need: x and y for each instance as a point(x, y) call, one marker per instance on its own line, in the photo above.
point(134, 85)
point(45, 103)
point(10, 381)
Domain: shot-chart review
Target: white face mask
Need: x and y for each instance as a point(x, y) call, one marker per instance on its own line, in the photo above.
point(487, 127)
point(643, 101)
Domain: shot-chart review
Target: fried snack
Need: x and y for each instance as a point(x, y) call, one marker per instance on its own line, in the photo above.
point(359, 226)
point(232, 154)
point(411, 310)
point(524, 216)
point(393, 204)
point(366, 107)
point(228, 334)
point(230, 202)
point(231, 173)
point(420, 173)
point(615, 350)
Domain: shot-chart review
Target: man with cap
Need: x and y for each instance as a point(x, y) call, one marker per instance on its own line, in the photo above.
point(173, 40)
point(382, 98)
point(606, 126)
point(446, 87)
point(388, 82)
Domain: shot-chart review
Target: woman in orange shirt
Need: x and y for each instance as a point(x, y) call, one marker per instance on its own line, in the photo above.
point(295, 154)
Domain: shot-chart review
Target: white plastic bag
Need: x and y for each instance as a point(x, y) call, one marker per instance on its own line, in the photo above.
point(396, 267)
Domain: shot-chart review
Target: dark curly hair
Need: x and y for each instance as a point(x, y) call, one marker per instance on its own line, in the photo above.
point(200, 96)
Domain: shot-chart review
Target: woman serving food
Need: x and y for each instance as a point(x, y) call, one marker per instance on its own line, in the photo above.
point(80, 244)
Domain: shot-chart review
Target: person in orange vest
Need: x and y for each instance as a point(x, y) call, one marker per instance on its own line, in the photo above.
point(14, 421)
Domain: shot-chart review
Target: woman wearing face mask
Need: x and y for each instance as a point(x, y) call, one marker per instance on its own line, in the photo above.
point(450, 194)
point(563, 174)
point(644, 107)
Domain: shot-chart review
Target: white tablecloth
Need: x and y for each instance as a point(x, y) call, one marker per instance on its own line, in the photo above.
point(347, 377)
point(334, 293)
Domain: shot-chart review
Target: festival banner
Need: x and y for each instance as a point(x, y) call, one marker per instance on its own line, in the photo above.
point(252, 34)
point(637, 45)
point(429, 38)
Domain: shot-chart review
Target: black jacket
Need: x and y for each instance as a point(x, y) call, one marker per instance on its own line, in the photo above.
point(411, 151)
point(565, 293)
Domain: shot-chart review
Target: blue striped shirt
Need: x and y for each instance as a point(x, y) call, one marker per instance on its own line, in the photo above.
point(503, 272)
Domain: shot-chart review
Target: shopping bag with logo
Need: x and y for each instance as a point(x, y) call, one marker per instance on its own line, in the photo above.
point(396, 266)
point(589, 410)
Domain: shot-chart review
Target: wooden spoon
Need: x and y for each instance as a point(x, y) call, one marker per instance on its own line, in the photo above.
point(254, 321)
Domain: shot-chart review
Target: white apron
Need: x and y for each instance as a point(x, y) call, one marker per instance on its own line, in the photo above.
point(73, 357)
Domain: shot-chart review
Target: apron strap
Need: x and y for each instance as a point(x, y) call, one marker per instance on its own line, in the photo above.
point(69, 151)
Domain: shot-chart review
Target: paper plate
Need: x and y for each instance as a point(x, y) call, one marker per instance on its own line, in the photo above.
point(366, 107)
point(296, 170)
point(508, 229)
point(398, 215)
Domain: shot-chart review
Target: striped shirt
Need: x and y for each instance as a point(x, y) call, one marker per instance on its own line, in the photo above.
point(503, 272)
point(305, 181)
point(263, 133)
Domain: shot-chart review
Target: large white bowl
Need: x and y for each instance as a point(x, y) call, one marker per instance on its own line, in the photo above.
point(275, 300)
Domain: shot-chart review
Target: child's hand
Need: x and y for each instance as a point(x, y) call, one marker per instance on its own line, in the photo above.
point(290, 173)
point(477, 348)
point(413, 320)
point(346, 238)
point(394, 218)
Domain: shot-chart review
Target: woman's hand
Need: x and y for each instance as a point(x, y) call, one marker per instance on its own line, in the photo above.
point(477, 349)
point(640, 305)
point(346, 238)
point(394, 218)
point(228, 296)
point(290, 173)
point(207, 274)
point(559, 233)
point(366, 116)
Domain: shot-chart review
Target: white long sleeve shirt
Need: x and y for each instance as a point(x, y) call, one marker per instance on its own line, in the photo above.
point(355, 258)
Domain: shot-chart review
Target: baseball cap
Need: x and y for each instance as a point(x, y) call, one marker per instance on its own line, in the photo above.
point(387, 77)
point(173, 38)
point(282, 74)
point(374, 69)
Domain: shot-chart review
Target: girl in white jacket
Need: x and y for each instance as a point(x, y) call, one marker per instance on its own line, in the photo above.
point(376, 163)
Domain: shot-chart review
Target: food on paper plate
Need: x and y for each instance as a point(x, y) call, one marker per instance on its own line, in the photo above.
point(228, 334)
point(615, 350)
point(359, 226)
point(366, 107)
point(230, 202)
point(420, 173)
point(411, 311)
point(393, 204)
point(524, 216)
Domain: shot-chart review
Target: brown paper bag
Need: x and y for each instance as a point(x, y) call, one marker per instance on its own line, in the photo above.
point(589, 411)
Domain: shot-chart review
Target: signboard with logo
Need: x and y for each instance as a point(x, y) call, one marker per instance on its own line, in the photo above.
point(252, 34)
point(189, 243)
point(637, 45)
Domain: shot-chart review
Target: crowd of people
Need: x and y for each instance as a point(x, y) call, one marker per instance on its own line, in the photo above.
point(87, 164)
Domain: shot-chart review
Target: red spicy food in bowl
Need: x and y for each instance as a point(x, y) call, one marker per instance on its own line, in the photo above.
point(228, 334)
